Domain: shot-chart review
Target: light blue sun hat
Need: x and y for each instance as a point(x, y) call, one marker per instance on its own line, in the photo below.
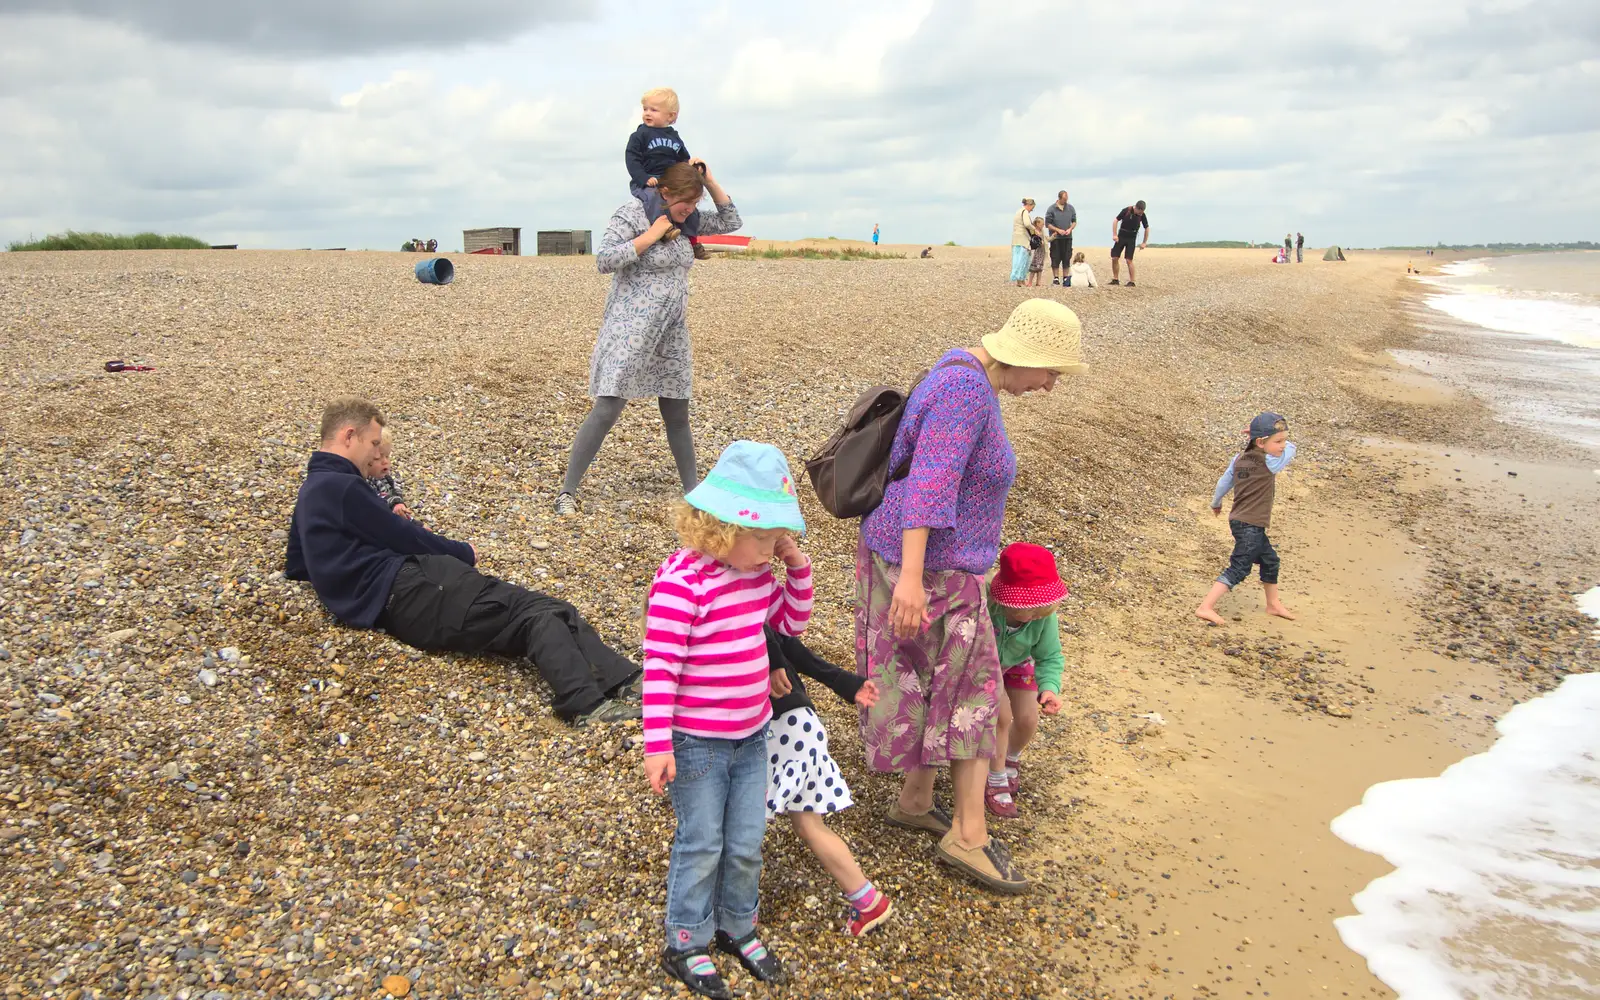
point(750, 486)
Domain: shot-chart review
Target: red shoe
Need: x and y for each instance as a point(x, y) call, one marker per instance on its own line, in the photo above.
point(998, 802)
point(861, 922)
point(1015, 781)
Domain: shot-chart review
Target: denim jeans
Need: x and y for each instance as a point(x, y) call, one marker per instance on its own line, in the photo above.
point(1250, 546)
point(720, 798)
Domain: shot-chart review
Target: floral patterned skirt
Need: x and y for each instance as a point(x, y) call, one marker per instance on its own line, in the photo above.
point(939, 696)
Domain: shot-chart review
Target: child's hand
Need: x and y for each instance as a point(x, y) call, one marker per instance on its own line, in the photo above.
point(650, 183)
point(1216, 512)
point(787, 549)
point(781, 683)
point(1049, 702)
point(661, 769)
point(403, 511)
point(868, 695)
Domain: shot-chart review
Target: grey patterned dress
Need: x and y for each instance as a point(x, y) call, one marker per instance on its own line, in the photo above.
point(643, 347)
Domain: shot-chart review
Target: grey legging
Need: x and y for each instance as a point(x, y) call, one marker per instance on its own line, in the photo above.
point(674, 413)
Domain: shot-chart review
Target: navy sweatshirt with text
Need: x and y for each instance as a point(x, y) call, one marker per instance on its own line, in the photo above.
point(344, 539)
point(652, 150)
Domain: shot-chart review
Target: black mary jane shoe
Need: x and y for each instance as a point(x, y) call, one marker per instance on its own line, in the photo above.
point(768, 969)
point(677, 965)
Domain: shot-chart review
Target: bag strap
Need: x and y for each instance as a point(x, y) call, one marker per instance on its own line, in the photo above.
point(904, 468)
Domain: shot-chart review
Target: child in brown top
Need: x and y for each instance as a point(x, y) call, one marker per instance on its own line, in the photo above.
point(1252, 476)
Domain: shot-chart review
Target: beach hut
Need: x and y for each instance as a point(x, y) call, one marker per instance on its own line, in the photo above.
point(563, 242)
point(1334, 253)
point(508, 239)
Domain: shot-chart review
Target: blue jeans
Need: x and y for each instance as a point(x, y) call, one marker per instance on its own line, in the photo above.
point(720, 798)
point(1250, 546)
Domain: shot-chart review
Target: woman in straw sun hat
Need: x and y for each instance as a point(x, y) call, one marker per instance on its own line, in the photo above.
point(923, 632)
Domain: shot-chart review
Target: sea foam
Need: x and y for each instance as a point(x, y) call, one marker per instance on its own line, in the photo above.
point(1496, 889)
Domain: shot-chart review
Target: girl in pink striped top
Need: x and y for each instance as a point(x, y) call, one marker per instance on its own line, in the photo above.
point(706, 708)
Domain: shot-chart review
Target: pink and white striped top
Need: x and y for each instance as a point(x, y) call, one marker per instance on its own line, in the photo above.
point(705, 652)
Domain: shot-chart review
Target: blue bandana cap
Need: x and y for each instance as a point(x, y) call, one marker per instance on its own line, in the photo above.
point(750, 486)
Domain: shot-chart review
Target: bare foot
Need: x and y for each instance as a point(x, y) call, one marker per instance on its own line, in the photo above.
point(1280, 611)
point(1210, 616)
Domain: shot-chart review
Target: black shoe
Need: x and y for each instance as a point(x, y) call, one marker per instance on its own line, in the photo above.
point(1114, 281)
point(768, 969)
point(1055, 281)
point(677, 965)
point(1128, 285)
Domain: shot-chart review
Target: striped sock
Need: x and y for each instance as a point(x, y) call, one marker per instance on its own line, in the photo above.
point(864, 898)
point(754, 950)
point(998, 779)
point(1012, 764)
point(700, 965)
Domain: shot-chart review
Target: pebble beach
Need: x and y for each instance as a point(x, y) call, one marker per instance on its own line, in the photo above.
point(209, 788)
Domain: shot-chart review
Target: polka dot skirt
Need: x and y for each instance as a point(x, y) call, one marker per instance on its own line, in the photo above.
point(802, 777)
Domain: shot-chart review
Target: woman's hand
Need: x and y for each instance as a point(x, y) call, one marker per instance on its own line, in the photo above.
point(908, 612)
point(787, 549)
point(650, 237)
point(719, 197)
point(868, 695)
point(661, 769)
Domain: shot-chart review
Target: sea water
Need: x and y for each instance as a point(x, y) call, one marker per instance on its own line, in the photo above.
point(1524, 333)
point(1496, 889)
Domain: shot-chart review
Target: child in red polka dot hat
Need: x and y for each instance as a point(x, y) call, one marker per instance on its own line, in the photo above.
point(1023, 598)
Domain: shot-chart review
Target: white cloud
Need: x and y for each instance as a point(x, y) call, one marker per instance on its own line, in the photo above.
point(1370, 122)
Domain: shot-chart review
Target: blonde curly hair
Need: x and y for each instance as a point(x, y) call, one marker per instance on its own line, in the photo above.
point(703, 532)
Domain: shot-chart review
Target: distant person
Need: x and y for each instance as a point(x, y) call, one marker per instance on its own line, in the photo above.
point(1299, 248)
point(874, 234)
point(1123, 232)
point(927, 252)
point(1021, 241)
point(1060, 219)
point(1037, 254)
point(1081, 272)
point(371, 569)
point(654, 146)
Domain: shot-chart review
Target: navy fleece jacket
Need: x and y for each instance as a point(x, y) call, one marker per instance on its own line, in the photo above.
point(344, 539)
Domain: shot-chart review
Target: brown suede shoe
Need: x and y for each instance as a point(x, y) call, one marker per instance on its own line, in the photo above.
point(701, 253)
point(935, 821)
point(990, 865)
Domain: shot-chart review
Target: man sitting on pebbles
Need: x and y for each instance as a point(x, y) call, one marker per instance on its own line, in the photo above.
point(372, 569)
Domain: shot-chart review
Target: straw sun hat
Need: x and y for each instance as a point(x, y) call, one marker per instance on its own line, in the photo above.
point(1041, 333)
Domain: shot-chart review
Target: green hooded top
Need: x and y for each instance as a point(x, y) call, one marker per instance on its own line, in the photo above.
point(1039, 639)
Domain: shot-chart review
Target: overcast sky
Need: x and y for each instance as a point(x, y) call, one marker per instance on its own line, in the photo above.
point(361, 123)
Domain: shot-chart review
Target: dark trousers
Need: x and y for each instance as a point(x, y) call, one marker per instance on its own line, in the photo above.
point(654, 204)
point(439, 603)
point(1061, 252)
point(1251, 546)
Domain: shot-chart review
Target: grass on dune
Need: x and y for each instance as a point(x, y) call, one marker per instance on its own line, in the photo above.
point(775, 253)
point(72, 240)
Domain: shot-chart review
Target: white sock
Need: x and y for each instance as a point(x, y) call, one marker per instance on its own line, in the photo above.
point(998, 779)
